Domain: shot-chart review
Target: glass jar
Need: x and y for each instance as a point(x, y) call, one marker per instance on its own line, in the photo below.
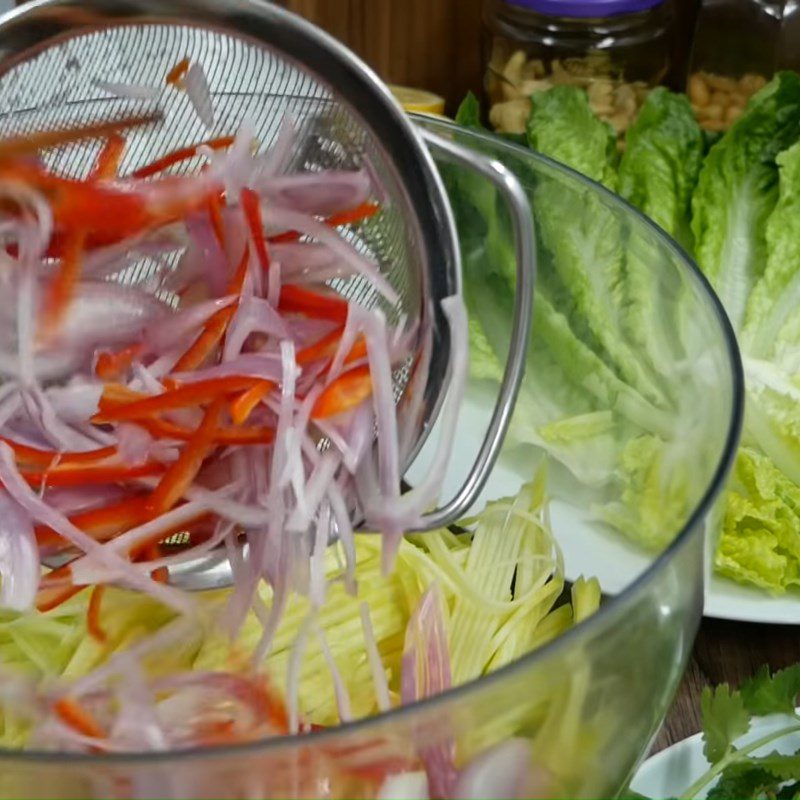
point(615, 49)
point(738, 46)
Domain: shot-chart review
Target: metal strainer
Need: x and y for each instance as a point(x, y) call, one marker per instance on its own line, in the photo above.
point(262, 64)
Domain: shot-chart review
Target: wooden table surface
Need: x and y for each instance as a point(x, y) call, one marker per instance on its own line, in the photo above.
point(726, 652)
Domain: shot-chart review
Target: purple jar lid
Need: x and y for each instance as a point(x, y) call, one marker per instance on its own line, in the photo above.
point(596, 9)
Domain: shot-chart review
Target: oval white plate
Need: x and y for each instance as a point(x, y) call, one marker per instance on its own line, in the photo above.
point(609, 557)
point(672, 771)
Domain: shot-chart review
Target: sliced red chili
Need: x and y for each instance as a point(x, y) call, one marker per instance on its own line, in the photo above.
point(112, 366)
point(350, 217)
point(93, 624)
point(91, 475)
point(102, 524)
point(347, 392)
point(181, 474)
point(75, 716)
point(45, 458)
point(178, 72)
point(110, 157)
point(184, 154)
point(215, 328)
point(192, 394)
point(317, 305)
point(244, 405)
point(251, 205)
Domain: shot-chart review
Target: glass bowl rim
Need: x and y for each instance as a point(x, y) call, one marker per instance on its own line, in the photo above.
point(613, 607)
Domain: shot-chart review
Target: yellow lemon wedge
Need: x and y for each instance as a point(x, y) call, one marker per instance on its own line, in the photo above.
point(418, 100)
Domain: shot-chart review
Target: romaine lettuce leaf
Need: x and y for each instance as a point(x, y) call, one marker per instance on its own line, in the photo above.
point(772, 329)
point(583, 271)
point(663, 155)
point(760, 542)
point(659, 170)
point(738, 189)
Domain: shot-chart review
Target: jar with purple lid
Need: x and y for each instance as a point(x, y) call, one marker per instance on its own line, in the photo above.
point(615, 49)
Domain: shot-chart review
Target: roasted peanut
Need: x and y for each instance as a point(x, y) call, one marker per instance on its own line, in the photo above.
point(698, 91)
point(721, 99)
point(733, 113)
point(511, 117)
point(750, 83)
point(720, 83)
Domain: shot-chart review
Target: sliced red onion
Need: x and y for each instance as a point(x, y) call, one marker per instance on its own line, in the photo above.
point(293, 671)
point(205, 255)
point(43, 368)
point(137, 727)
point(44, 514)
point(343, 704)
point(426, 673)
point(19, 557)
point(352, 437)
point(199, 93)
point(253, 316)
point(134, 444)
point(75, 402)
point(108, 314)
point(87, 568)
point(306, 193)
point(69, 501)
point(374, 326)
point(276, 160)
point(408, 510)
point(235, 167)
point(316, 571)
point(127, 91)
point(61, 435)
point(316, 489)
point(504, 772)
point(163, 335)
point(405, 786)
point(285, 220)
point(266, 366)
point(376, 663)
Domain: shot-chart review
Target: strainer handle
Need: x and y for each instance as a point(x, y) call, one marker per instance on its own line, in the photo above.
point(525, 241)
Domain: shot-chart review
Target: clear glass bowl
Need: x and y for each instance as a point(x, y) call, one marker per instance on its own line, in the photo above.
point(587, 705)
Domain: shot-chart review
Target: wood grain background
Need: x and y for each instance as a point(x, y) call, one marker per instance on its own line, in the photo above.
point(435, 44)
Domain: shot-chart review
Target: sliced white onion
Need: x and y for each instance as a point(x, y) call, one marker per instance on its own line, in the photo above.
point(128, 91)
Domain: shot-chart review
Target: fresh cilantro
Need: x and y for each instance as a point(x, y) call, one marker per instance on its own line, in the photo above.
point(772, 694)
point(789, 792)
point(742, 782)
point(725, 719)
point(469, 113)
point(780, 766)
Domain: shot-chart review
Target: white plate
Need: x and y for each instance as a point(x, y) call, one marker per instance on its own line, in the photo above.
point(588, 551)
point(672, 771)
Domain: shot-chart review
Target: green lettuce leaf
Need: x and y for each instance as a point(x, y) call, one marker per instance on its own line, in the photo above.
point(583, 269)
point(760, 541)
point(659, 171)
point(655, 491)
point(772, 328)
point(737, 191)
point(563, 127)
point(664, 151)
